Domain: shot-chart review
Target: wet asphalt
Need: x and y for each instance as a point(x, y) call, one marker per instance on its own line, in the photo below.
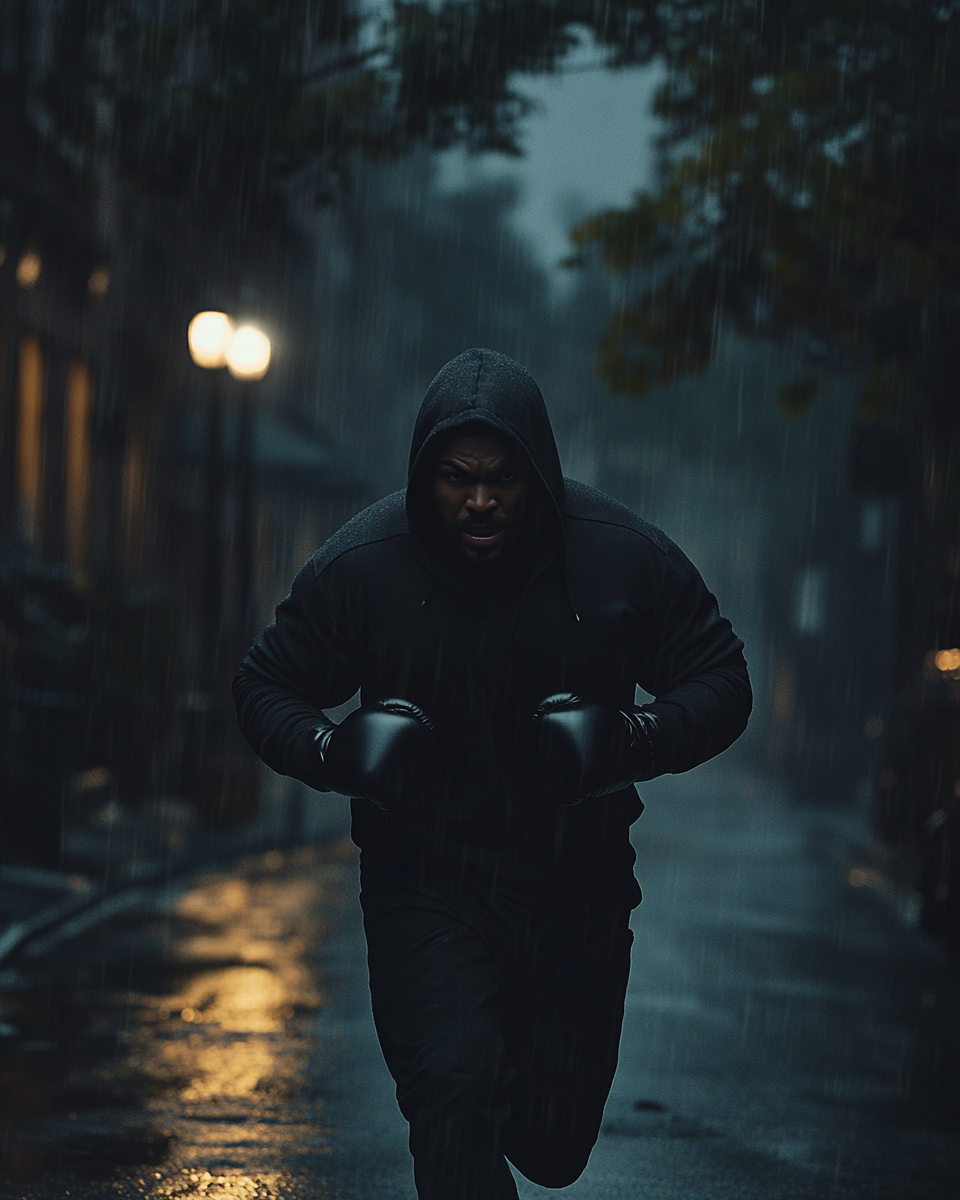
point(789, 1032)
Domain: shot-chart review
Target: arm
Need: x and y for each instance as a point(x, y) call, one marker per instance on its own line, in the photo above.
point(302, 663)
point(689, 658)
point(305, 662)
point(693, 664)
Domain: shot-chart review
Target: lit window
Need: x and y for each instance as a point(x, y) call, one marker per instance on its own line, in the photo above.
point(77, 465)
point(30, 438)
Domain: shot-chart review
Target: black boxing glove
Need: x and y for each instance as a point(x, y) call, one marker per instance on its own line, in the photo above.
point(586, 749)
point(383, 752)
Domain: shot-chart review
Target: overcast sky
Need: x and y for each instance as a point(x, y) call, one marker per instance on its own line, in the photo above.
point(590, 145)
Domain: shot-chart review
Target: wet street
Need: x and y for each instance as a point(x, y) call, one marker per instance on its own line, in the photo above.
point(788, 1032)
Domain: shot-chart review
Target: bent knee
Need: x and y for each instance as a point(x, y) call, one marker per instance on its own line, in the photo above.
point(554, 1167)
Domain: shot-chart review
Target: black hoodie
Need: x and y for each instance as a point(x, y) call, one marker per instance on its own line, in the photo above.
point(599, 602)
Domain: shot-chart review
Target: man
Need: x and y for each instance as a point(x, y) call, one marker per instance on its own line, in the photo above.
point(496, 619)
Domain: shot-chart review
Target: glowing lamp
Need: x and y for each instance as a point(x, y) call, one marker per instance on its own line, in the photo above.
point(248, 353)
point(208, 336)
point(947, 660)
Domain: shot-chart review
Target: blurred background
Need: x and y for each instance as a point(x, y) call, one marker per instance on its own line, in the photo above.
point(723, 238)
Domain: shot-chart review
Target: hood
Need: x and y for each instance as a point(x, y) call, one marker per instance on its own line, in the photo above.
point(482, 385)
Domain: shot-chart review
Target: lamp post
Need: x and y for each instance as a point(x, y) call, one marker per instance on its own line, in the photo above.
point(248, 357)
point(208, 336)
point(227, 786)
point(245, 351)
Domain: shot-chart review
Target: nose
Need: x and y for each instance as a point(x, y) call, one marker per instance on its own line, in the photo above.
point(481, 499)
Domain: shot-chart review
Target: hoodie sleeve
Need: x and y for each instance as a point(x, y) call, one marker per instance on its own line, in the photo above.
point(302, 663)
point(695, 669)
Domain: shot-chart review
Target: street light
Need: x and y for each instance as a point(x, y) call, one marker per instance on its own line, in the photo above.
point(208, 336)
point(248, 357)
point(215, 342)
point(248, 353)
point(245, 351)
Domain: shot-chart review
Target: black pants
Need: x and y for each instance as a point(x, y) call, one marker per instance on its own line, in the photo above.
point(498, 1009)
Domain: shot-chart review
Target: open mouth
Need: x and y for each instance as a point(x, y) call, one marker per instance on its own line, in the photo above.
point(483, 536)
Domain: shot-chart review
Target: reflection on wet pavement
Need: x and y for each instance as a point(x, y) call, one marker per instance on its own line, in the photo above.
point(175, 1052)
point(787, 1035)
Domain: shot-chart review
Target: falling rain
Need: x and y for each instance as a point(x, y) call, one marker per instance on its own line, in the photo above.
point(238, 240)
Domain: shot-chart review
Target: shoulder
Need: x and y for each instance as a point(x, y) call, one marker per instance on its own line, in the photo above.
point(591, 510)
point(613, 551)
point(376, 526)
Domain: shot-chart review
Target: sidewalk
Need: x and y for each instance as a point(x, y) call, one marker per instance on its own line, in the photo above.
point(118, 850)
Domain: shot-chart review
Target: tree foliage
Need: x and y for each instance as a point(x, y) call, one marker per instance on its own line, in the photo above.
point(216, 103)
point(455, 63)
point(810, 159)
point(810, 182)
point(220, 101)
point(212, 100)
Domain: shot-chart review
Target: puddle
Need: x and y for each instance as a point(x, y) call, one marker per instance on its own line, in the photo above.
point(169, 1053)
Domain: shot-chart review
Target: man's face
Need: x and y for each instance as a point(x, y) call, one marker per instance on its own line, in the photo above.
point(480, 489)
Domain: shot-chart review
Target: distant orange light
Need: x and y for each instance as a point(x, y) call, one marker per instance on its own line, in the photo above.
point(28, 269)
point(99, 281)
point(947, 660)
